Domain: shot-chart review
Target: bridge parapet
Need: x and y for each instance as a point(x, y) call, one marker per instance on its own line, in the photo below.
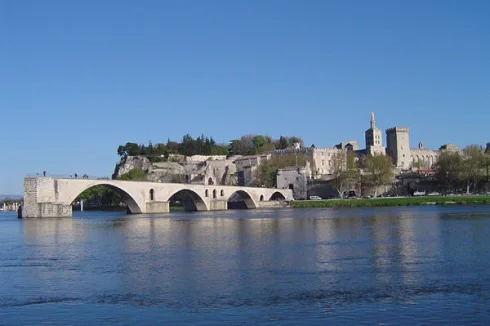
point(65, 176)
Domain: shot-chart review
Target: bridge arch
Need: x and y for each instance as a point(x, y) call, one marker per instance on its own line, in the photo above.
point(277, 196)
point(243, 195)
point(192, 200)
point(126, 197)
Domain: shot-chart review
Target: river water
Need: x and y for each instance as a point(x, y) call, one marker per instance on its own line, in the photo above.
point(420, 265)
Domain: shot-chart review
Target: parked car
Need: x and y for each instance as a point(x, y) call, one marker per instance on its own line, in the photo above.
point(351, 194)
point(315, 197)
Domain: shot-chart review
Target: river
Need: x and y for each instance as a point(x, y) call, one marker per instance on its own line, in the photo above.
point(413, 265)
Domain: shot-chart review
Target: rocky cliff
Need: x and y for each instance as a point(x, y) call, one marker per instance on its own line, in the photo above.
point(206, 172)
point(129, 163)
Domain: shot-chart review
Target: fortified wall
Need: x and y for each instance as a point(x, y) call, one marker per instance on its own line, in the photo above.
point(320, 159)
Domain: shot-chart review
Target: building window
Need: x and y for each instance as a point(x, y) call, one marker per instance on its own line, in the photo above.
point(261, 197)
point(206, 193)
point(222, 193)
point(152, 194)
point(214, 193)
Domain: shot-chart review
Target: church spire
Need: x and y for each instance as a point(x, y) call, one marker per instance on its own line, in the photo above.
point(373, 123)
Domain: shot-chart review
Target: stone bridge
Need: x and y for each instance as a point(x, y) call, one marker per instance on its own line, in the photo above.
point(53, 197)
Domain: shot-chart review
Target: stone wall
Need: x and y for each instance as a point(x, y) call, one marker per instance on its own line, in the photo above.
point(202, 158)
point(427, 157)
point(165, 172)
point(320, 159)
point(295, 179)
point(246, 166)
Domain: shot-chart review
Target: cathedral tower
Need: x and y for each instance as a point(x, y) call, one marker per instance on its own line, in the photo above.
point(374, 141)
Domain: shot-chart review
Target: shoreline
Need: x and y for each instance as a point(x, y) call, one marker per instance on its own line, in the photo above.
point(393, 202)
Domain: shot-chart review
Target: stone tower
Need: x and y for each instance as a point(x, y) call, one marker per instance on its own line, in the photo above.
point(374, 141)
point(398, 146)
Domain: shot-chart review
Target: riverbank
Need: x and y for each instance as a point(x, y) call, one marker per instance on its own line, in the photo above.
point(394, 201)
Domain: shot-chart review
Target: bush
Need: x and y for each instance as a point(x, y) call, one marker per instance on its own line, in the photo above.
point(133, 175)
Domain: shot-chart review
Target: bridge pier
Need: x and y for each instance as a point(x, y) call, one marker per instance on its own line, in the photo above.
point(46, 210)
point(218, 205)
point(154, 207)
point(55, 210)
point(40, 199)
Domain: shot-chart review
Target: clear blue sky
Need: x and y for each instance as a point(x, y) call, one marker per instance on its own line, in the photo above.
point(79, 78)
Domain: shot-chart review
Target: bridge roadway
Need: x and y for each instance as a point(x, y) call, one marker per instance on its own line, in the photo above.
point(53, 197)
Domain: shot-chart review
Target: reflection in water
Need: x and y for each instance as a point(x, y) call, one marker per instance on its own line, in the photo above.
point(285, 265)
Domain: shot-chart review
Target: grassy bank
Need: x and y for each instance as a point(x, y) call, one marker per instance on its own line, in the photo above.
point(396, 201)
point(176, 207)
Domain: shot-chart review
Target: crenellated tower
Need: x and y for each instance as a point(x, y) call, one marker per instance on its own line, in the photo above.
point(398, 146)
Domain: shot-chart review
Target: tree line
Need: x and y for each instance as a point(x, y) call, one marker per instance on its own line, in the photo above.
point(8, 201)
point(366, 174)
point(465, 171)
point(188, 146)
point(245, 145)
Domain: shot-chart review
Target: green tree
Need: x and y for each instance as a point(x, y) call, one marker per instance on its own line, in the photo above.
point(295, 139)
point(378, 170)
point(160, 149)
point(242, 146)
point(130, 149)
point(344, 171)
point(258, 141)
point(419, 164)
point(220, 150)
point(265, 174)
point(283, 143)
point(473, 163)
point(100, 196)
point(150, 149)
point(187, 147)
point(173, 147)
point(486, 166)
point(449, 168)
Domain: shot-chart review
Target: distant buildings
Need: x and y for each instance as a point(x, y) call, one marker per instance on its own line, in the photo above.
point(241, 170)
point(397, 147)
